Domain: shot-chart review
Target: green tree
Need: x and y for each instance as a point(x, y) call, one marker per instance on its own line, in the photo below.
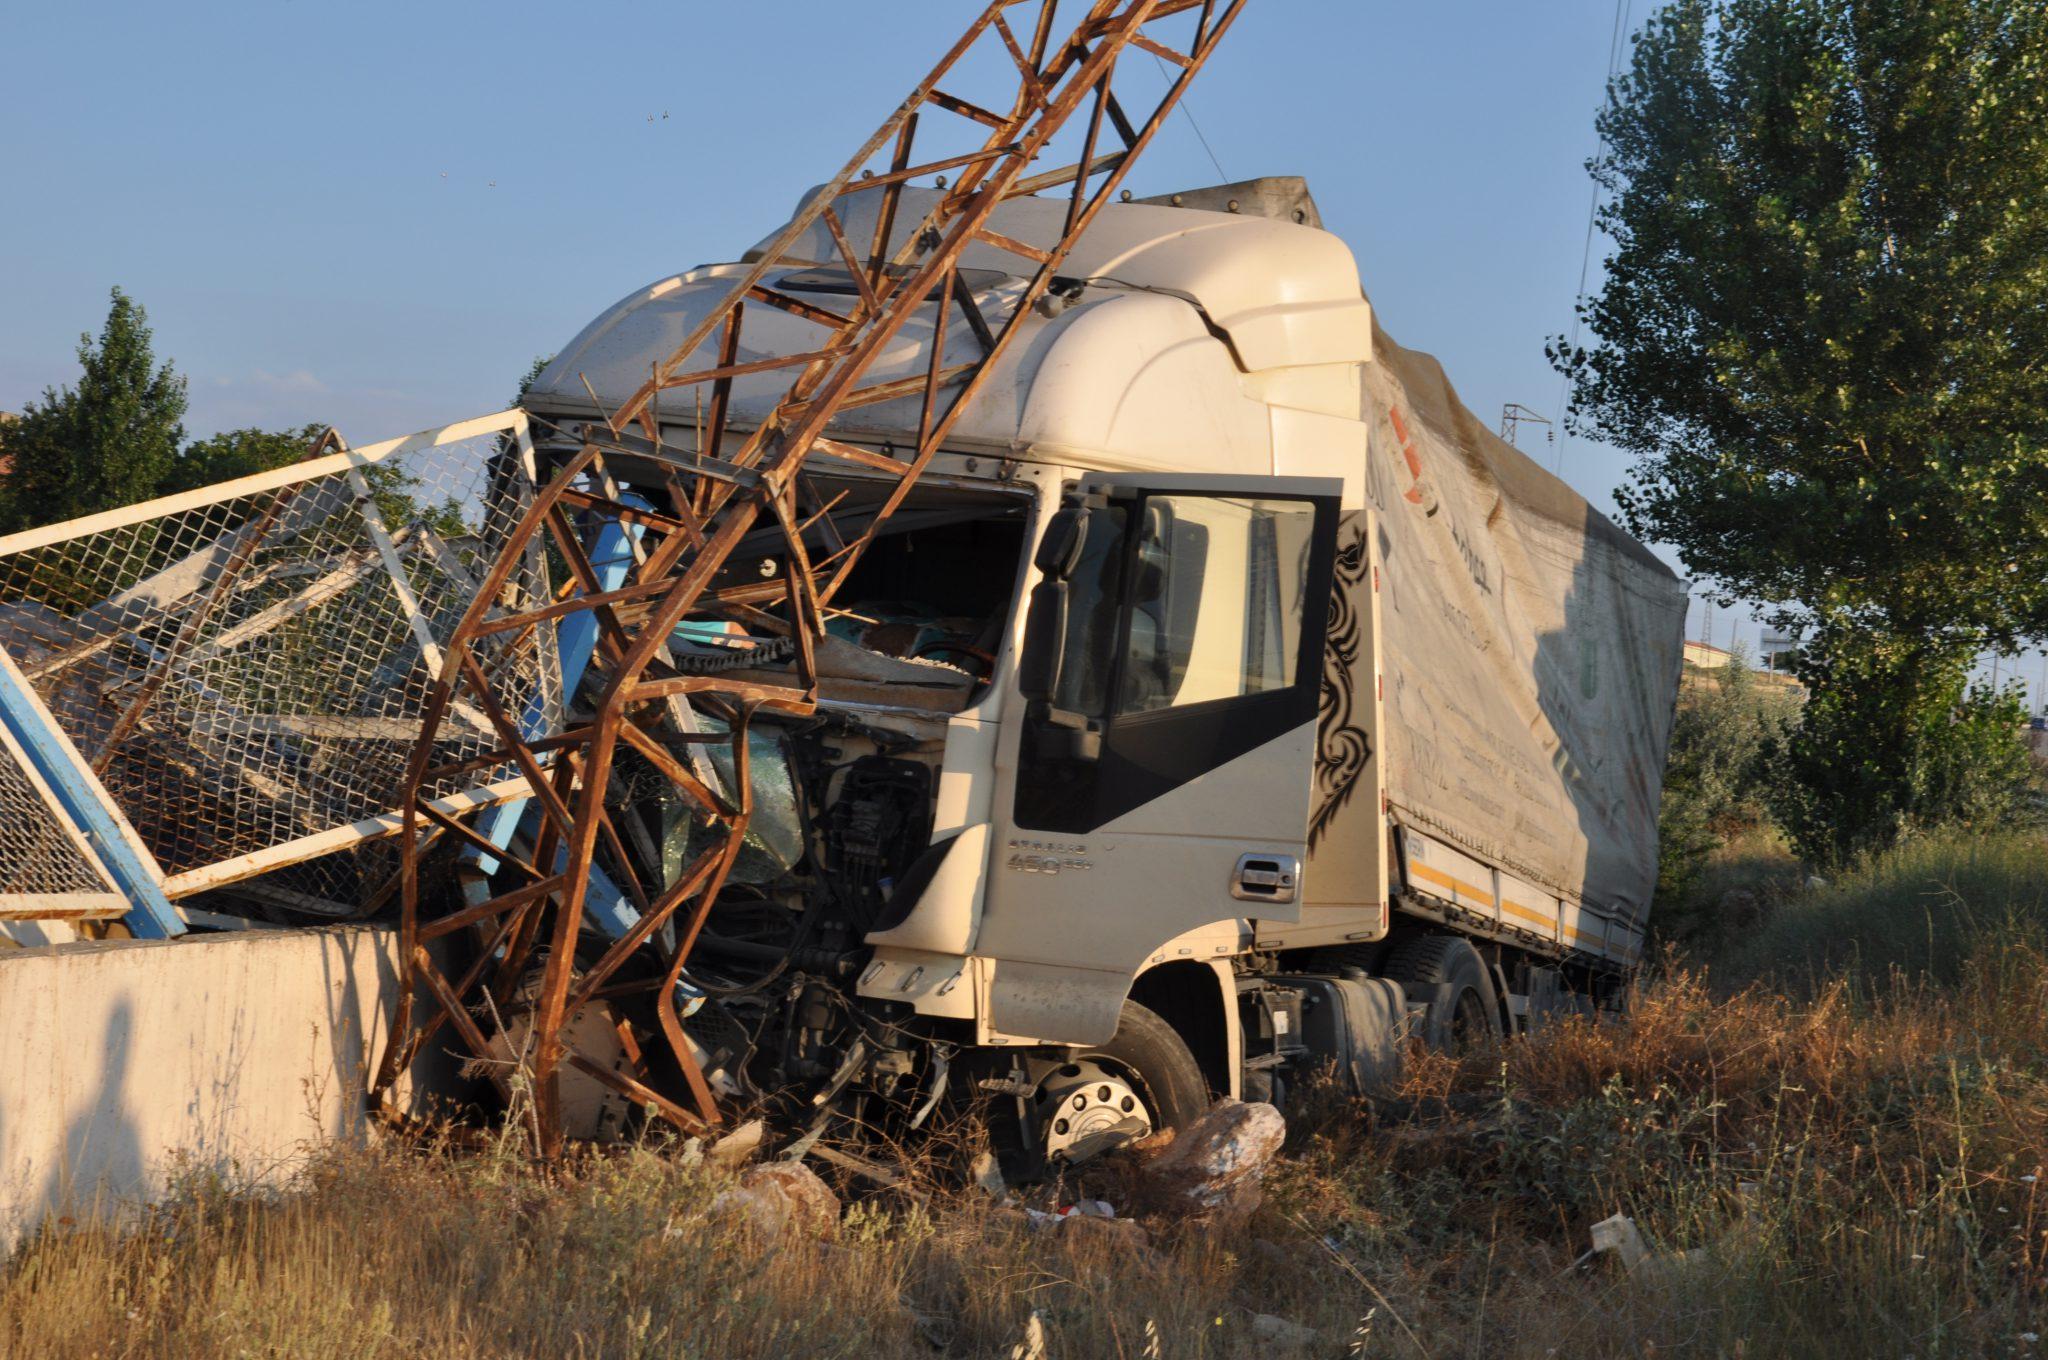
point(1821, 337)
point(236, 453)
point(533, 372)
point(108, 442)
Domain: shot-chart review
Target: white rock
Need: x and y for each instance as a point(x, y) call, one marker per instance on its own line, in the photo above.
point(1222, 1154)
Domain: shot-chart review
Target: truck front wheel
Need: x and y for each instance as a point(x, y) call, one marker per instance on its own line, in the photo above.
point(1086, 1101)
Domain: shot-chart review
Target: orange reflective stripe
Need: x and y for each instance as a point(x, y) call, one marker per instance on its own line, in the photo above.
point(1455, 884)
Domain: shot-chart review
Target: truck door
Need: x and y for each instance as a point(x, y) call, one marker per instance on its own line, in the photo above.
point(1160, 776)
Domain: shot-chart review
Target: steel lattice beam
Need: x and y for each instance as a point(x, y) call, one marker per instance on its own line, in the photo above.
point(717, 498)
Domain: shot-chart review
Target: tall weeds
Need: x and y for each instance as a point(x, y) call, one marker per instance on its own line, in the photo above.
point(1848, 1168)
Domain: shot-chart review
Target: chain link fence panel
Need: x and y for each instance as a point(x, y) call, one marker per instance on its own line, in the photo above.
point(47, 869)
point(246, 666)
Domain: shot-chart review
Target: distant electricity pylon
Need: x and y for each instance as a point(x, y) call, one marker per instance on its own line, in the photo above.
point(1514, 415)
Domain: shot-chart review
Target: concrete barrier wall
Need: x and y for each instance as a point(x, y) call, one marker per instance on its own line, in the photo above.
point(239, 1052)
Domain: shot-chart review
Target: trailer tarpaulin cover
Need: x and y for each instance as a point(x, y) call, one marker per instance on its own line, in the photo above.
point(1532, 649)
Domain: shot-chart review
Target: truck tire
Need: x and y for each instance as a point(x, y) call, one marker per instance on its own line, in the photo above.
point(1091, 1099)
point(1445, 974)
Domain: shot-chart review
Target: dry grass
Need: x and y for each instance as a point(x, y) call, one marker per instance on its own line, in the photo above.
point(1854, 1172)
point(1842, 1178)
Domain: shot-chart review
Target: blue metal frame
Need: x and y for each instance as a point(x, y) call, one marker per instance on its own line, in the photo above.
point(576, 640)
point(604, 902)
point(89, 806)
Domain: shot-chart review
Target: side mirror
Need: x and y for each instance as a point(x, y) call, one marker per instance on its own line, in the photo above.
point(1039, 665)
point(1045, 629)
point(1045, 633)
point(1059, 551)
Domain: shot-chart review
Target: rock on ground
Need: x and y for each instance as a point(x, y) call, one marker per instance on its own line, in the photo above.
point(782, 1195)
point(1214, 1165)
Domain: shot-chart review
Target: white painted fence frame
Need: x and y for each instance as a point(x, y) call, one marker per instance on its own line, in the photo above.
point(350, 463)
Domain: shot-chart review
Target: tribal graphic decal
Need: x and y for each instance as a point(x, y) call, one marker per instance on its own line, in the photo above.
point(1342, 747)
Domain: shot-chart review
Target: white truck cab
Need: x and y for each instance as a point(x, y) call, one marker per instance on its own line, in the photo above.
point(1103, 761)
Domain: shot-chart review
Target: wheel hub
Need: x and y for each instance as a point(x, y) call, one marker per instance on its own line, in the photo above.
point(1084, 1109)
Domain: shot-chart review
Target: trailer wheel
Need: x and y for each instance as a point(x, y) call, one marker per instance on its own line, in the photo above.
point(1089, 1100)
point(1446, 974)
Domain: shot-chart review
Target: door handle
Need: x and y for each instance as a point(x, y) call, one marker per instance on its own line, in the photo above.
point(1266, 878)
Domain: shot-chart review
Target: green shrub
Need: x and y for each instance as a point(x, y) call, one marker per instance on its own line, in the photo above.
point(1919, 909)
point(1725, 745)
point(1895, 740)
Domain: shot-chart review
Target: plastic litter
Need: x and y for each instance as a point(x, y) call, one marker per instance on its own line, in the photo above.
point(1084, 1208)
point(1620, 1235)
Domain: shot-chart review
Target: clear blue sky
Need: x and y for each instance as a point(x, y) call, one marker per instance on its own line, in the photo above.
point(378, 214)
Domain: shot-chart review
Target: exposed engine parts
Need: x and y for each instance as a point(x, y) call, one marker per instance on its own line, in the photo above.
point(879, 821)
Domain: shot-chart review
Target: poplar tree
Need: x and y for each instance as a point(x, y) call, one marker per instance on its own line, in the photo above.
point(1823, 337)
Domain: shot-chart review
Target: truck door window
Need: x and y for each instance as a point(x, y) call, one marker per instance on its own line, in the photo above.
point(1217, 600)
point(1181, 646)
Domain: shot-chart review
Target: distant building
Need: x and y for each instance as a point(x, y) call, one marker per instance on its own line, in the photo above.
point(1704, 661)
point(7, 459)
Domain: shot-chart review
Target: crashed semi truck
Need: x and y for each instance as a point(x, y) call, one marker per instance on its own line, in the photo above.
point(990, 640)
point(1222, 702)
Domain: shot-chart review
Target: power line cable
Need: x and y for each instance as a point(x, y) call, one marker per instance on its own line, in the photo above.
point(1187, 110)
point(1623, 11)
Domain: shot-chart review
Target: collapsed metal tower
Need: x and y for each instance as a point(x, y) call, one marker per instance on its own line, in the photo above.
point(527, 918)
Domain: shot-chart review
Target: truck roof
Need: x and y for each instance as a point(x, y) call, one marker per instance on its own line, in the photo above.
point(1146, 369)
point(1531, 645)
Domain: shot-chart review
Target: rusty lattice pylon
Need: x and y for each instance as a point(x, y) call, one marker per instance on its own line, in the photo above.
point(716, 496)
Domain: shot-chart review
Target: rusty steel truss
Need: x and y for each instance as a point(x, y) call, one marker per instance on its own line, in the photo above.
point(528, 920)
